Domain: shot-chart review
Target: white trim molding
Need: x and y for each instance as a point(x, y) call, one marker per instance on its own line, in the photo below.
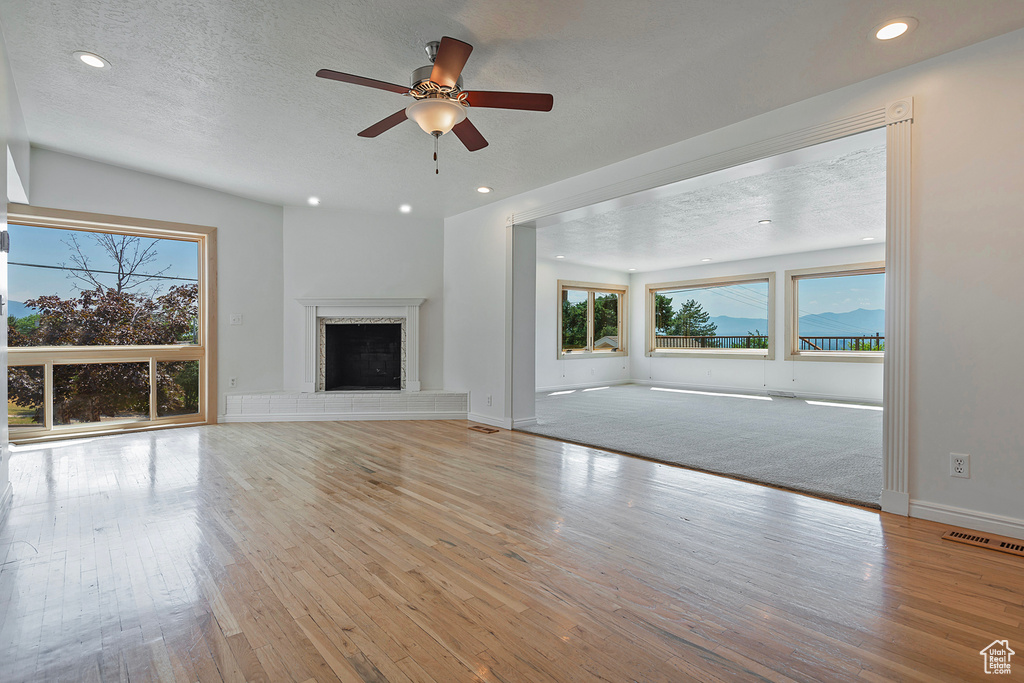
point(899, 117)
point(503, 423)
point(405, 309)
point(968, 519)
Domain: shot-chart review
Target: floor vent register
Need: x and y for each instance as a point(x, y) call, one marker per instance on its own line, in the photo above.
point(982, 540)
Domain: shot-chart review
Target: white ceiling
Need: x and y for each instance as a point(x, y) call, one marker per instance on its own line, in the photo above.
point(823, 197)
point(222, 93)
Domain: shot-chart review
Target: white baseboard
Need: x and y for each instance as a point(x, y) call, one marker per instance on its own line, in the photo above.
point(759, 391)
point(895, 502)
point(525, 422)
point(588, 385)
point(6, 499)
point(492, 421)
point(700, 387)
point(969, 519)
point(337, 417)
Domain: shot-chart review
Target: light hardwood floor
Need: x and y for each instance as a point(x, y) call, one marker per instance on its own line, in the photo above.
point(422, 551)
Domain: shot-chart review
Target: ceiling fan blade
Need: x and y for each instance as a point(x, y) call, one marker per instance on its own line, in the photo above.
point(531, 101)
point(385, 125)
point(469, 135)
point(451, 57)
point(360, 80)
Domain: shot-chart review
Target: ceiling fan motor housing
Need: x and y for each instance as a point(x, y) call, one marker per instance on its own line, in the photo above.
point(422, 75)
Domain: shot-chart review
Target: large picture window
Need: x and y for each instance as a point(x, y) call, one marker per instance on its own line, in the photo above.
point(732, 316)
point(591, 319)
point(836, 313)
point(110, 323)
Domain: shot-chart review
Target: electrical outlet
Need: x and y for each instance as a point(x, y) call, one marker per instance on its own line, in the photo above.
point(232, 382)
point(488, 399)
point(235, 319)
point(960, 465)
point(592, 371)
point(709, 373)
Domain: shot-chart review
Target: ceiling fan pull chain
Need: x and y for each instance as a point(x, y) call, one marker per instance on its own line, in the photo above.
point(436, 138)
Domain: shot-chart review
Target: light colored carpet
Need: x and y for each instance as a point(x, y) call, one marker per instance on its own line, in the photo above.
point(828, 451)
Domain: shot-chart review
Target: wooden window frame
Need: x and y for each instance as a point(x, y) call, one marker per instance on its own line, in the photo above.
point(205, 351)
point(793, 278)
point(755, 354)
point(591, 288)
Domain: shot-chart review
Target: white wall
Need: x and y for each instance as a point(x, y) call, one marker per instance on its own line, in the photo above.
point(346, 254)
point(965, 275)
point(475, 322)
point(855, 381)
point(249, 246)
point(570, 373)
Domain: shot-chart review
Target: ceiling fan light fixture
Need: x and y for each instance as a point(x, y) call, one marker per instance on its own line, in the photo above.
point(436, 116)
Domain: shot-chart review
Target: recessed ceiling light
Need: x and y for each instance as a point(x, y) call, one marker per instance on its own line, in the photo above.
point(559, 256)
point(314, 201)
point(764, 221)
point(895, 28)
point(405, 208)
point(483, 189)
point(704, 260)
point(632, 270)
point(92, 60)
point(867, 239)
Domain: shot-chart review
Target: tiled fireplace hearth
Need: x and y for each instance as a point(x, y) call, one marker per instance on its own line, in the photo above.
point(405, 401)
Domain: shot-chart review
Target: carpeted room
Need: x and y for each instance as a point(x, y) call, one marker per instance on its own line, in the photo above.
point(729, 310)
point(830, 450)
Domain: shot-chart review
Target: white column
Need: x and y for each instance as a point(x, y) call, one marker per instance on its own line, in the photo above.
point(412, 348)
point(899, 117)
point(309, 349)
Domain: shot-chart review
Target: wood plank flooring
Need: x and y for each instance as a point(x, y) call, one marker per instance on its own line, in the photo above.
point(423, 551)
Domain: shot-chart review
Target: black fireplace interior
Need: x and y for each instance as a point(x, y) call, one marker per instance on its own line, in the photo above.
point(363, 356)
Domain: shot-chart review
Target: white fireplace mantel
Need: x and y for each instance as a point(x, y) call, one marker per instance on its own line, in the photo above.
point(409, 309)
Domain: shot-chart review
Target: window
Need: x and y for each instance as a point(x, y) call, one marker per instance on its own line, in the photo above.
point(590, 319)
point(836, 313)
point(110, 323)
point(717, 317)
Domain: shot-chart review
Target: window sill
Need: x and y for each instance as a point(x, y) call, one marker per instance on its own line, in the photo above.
point(751, 354)
point(839, 356)
point(591, 354)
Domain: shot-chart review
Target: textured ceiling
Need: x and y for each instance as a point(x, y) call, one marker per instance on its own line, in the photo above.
point(222, 93)
point(821, 198)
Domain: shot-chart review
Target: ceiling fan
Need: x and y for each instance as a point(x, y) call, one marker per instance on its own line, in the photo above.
point(440, 102)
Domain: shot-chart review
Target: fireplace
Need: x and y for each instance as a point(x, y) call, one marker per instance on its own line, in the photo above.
point(361, 344)
point(361, 354)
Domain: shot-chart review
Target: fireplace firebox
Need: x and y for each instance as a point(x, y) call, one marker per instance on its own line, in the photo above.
point(363, 357)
